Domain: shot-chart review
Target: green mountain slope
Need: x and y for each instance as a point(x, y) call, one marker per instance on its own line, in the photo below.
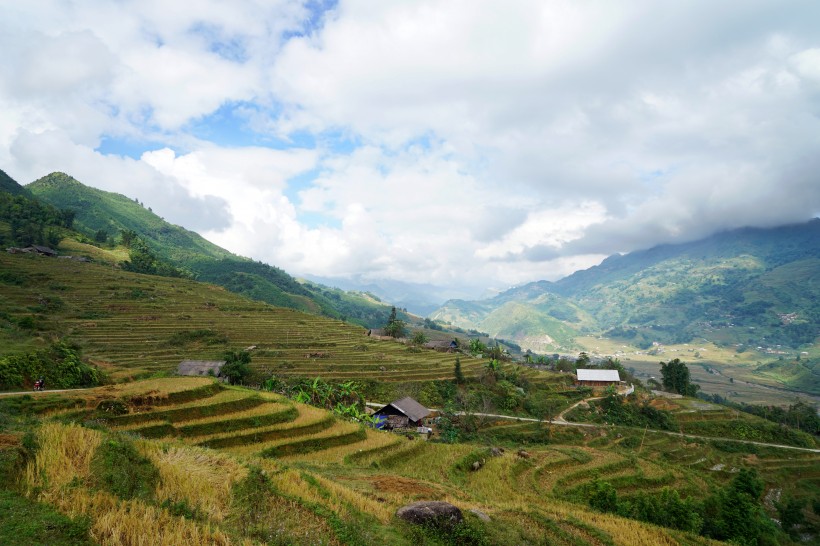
point(748, 287)
point(98, 210)
point(111, 212)
point(9, 185)
point(25, 220)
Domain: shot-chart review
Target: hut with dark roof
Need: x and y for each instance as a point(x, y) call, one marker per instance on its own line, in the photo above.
point(402, 413)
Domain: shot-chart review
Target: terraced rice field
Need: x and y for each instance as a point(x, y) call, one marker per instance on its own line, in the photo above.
point(205, 439)
point(138, 324)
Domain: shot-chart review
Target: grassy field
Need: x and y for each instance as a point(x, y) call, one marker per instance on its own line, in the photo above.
point(342, 484)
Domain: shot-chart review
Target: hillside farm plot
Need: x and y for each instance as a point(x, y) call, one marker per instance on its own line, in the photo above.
point(133, 325)
point(313, 465)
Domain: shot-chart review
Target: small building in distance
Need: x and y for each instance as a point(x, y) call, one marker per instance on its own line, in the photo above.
point(402, 413)
point(443, 346)
point(200, 367)
point(597, 378)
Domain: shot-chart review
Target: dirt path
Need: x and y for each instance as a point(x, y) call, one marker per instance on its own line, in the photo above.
point(47, 391)
point(561, 421)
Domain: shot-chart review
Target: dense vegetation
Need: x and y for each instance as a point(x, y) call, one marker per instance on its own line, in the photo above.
point(60, 366)
point(31, 222)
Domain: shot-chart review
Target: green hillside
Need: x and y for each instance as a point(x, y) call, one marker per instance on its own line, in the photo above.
point(133, 324)
point(742, 289)
point(9, 185)
point(113, 213)
point(99, 211)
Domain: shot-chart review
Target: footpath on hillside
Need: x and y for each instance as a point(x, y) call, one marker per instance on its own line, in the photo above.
point(560, 420)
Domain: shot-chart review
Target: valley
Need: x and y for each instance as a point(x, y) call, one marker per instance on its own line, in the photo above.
point(138, 450)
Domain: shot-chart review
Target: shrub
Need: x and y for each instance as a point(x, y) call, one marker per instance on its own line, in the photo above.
point(112, 407)
point(315, 444)
point(59, 365)
point(119, 469)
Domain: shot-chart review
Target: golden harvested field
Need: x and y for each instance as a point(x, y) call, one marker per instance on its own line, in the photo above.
point(361, 481)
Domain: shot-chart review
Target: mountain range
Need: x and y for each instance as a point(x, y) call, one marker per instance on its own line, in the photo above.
point(746, 287)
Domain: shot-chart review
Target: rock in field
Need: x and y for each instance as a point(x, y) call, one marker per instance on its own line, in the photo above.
point(436, 513)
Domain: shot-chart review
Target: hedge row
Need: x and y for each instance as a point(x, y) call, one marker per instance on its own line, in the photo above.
point(268, 435)
point(232, 425)
point(315, 444)
point(184, 414)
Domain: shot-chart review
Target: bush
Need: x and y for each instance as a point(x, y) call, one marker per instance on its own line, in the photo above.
point(112, 407)
point(118, 468)
point(237, 366)
point(59, 365)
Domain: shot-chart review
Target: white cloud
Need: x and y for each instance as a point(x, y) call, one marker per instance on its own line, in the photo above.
point(463, 142)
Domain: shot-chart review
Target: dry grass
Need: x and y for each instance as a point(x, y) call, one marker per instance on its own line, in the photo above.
point(492, 480)
point(156, 387)
point(200, 477)
point(62, 467)
point(356, 499)
point(307, 415)
point(124, 523)
point(340, 499)
point(64, 456)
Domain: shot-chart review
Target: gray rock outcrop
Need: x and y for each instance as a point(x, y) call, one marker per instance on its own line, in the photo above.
point(436, 513)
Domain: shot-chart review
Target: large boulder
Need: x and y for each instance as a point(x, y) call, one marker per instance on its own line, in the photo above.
point(435, 513)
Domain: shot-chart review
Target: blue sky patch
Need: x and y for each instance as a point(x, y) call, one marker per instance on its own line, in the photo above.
point(130, 147)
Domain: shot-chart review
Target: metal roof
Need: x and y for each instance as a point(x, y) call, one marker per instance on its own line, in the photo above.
point(411, 408)
point(200, 367)
point(598, 375)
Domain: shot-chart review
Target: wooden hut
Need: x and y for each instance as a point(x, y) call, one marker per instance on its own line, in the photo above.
point(442, 346)
point(402, 413)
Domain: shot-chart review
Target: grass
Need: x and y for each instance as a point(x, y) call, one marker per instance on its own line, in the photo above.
point(24, 522)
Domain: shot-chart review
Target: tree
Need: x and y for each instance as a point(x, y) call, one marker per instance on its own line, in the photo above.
point(735, 512)
point(127, 236)
point(101, 236)
point(676, 378)
point(419, 338)
point(542, 406)
point(237, 366)
point(477, 347)
point(395, 326)
point(791, 515)
point(459, 375)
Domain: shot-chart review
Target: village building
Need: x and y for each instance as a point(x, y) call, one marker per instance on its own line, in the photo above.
point(597, 378)
point(200, 367)
point(402, 413)
point(443, 346)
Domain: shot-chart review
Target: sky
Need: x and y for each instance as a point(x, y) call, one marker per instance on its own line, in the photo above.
point(464, 144)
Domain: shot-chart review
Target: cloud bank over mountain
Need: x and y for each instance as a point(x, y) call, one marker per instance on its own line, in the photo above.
point(467, 144)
